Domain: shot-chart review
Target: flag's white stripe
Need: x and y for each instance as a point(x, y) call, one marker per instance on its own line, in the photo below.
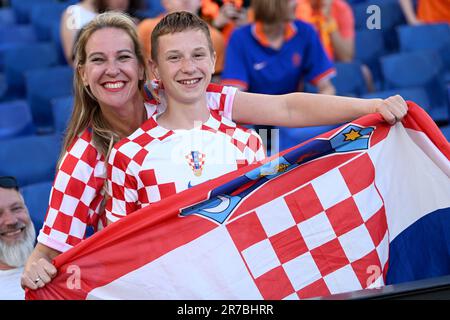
point(208, 268)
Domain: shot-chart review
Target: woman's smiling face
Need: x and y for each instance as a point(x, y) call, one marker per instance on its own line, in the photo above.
point(112, 70)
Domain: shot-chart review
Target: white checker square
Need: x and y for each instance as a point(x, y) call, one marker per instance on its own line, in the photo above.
point(51, 217)
point(100, 170)
point(117, 176)
point(82, 171)
point(302, 271)
point(69, 205)
point(357, 243)
point(383, 249)
point(79, 148)
point(130, 195)
point(88, 194)
point(275, 217)
point(130, 149)
point(292, 296)
point(331, 188)
point(261, 258)
point(61, 181)
point(368, 202)
point(153, 193)
point(77, 228)
point(316, 230)
point(342, 280)
point(58, 235)
point(157, 132)
point(119, 207)
point(241, 136)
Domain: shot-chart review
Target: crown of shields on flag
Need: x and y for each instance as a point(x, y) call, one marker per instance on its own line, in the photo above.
point(196, 160)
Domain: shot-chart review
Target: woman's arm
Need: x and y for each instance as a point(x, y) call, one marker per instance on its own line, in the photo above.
point(306, 109)
point(39, 266)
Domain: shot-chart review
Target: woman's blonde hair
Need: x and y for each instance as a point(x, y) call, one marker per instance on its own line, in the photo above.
point(270, 11)
point(86, 110)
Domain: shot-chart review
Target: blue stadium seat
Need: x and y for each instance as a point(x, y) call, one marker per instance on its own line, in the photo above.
point(417, 95)
point(52, 13)
point(446, 131)
point(349, 80)
point(25, 58)
point(427, 36)
point(14, 36)
point(44, 85)
point(7, 17)
point(290, 137)
point(153, 7)
point(61, 109)
point(15, 119)
point(30, 159)
point(36, 198)
point(418, 69)
point(22, 8)
point(369, 47)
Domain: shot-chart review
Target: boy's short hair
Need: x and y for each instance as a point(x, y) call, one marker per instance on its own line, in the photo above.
point(178, 22)
point(8, 182)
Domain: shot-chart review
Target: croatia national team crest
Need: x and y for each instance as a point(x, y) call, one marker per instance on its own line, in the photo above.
point(196, 160)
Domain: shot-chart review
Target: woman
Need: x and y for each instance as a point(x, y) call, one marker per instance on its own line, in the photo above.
point(78, 188)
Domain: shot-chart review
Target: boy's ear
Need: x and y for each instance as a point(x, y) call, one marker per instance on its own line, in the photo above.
point(154, 69)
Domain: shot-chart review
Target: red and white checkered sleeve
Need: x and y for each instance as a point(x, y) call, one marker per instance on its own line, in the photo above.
point(254, 150)
point(75, 197)
point(221, 98)
point(122, 185)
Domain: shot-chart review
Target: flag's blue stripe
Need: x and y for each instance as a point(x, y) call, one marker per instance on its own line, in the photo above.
point(422, 250)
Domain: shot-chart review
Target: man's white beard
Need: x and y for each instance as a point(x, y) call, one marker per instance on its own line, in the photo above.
point(17, 254)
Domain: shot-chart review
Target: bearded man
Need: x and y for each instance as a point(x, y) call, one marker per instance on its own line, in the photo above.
point(17, 237)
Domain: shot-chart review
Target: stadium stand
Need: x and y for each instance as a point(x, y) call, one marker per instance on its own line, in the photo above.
point(30, 159)
point(15, 119)
point(61, 110)
point(36, 197)
point(44, 85)
point(349, 80)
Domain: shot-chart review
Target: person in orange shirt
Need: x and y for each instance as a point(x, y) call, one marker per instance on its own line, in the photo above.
point(226, 15)
point(146, 27)
point(334, 22)
point(428, 11)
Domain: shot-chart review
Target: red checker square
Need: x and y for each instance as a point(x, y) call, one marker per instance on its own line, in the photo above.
point(377, 226)
point(148, 177)
point(130, 182)
point(117, 191)
point(368, 268)
point(288, 244)
point(73, 240)
point(358, 174)
point(75, 188)
point(241, 146)
point(226, 129)
point(69, 164)
point(316, 289)
point(46, 230)
point(96, 182)
point(62, 223)
point(304, 203)
point(344, 216)
point(167, 189)
point(275, 284)
point(131, 207)
point(56, 199)
point(143, 139)
point(246, 231)
point(329, 257)
point(140, 156)
point(120, 160)
point(82, 212)
point(89, 155)
point(143, 196)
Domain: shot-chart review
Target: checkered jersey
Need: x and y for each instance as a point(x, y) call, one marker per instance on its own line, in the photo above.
point(154, 162)
point(76, 198)
point(318, 239)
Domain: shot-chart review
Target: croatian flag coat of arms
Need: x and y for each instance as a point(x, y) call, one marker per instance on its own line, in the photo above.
point(361, 206)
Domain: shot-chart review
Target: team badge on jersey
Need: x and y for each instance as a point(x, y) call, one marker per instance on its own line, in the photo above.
point(196, 160)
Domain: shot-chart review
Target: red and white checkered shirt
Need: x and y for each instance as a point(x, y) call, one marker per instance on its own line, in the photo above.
point(77, 194)
point(154, 162)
